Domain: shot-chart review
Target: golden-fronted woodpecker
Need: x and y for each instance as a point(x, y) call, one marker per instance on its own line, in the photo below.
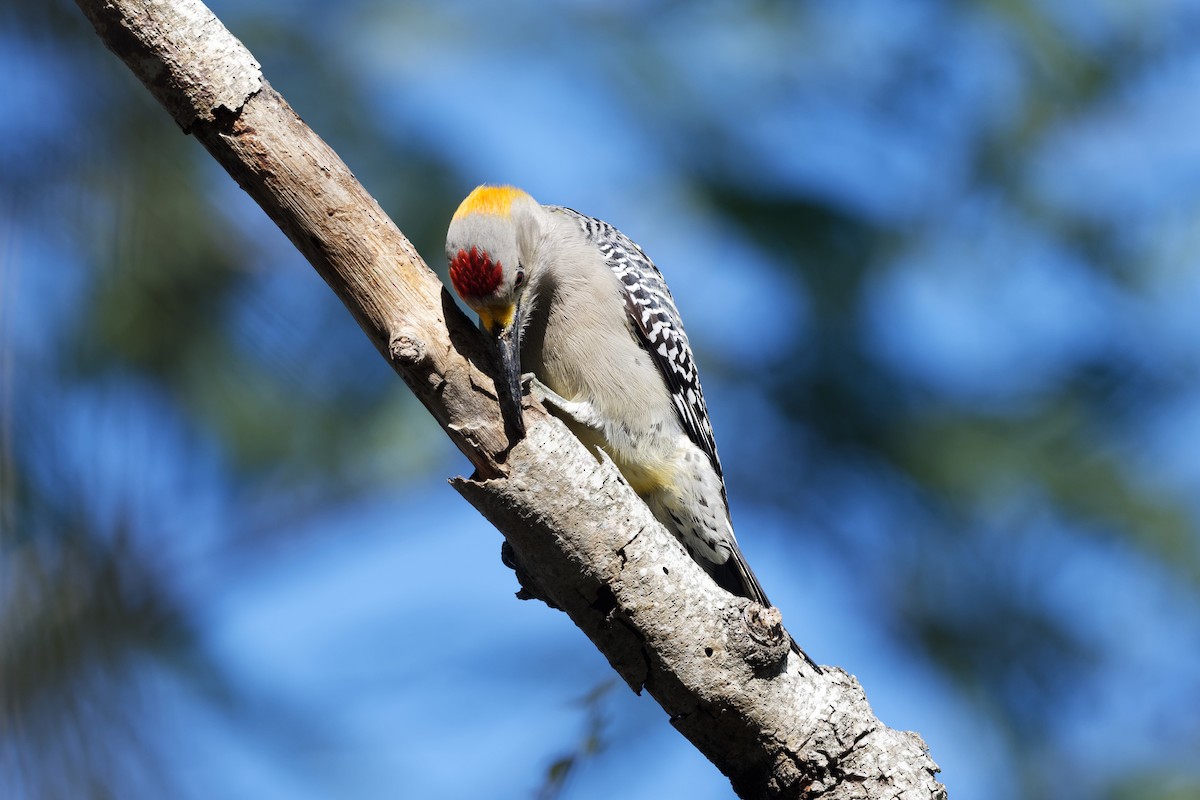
point(576, 303)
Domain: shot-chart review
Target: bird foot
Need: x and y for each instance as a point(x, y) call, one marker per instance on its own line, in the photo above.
point(579, 411)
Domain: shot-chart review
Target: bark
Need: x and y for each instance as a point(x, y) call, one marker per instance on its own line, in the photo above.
point(577, 535)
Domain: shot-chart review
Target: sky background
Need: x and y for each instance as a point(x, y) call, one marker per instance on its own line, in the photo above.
point(939, 264)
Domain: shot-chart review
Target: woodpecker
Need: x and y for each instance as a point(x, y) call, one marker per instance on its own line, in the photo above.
point(575, 302)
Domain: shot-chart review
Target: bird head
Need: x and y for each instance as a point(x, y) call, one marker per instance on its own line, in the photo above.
point(483, 246)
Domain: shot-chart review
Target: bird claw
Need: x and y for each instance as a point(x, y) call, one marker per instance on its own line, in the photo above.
point(540, 391)
point(580, 412)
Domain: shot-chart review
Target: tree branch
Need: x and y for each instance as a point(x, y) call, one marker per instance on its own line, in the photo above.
point(581, 539)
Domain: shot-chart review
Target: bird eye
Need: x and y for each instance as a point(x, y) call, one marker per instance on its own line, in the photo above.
point(519, 280)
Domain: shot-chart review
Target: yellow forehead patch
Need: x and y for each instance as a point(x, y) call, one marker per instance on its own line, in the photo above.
point(495, 200)
point(496, 319)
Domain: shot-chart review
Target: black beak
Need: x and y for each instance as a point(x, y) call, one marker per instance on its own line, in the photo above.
point(508, 346)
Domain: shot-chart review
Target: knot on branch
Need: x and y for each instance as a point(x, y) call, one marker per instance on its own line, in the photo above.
point(407, 349)
point(767, 643)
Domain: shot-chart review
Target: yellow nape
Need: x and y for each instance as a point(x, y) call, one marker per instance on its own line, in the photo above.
point(486, 199)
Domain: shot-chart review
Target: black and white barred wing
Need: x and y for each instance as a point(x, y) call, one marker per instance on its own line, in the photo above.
point(656, 321)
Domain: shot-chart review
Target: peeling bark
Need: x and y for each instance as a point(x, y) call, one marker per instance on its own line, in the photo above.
point(577, 535)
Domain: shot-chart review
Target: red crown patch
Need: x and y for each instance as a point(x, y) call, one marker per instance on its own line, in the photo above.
point(474, 274)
